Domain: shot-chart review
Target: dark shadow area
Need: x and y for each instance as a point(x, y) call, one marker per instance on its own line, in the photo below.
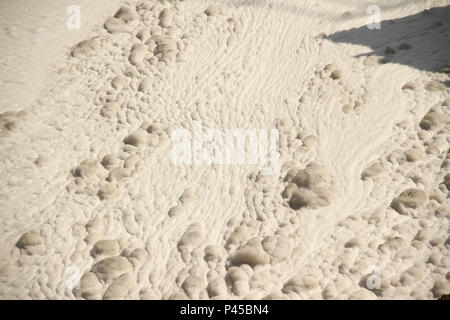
point(421, 41)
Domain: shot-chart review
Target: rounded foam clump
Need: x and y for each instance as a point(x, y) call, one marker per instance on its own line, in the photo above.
point(87, 48)
point(110, 161)
point(31, 242)
point(166, 49)
point(112, 267)
point(363, 294)
point(337, 74)
point(434, 120)
point(415, 154)
point(138, 257)
point(212, 10)
point(90, 286)
point(310, 187)
point(192, 286)
point(213, 252)
point(279, 248)
point(175, 211)
point(309, 198)
point(155, 127)
point(106, 247)
point(138, 53)
point(127, 14)
point(217, 287)
point(137, 138)
point(116, 25)
point(250, 255)
point(239, 235)
point(120, 287)
point(410, 198)
point(145, 86)
point(108, 191)
point(121, 20)
point(87, 168)
point(440, 288)
point(118, 173)
point(300, 284)
point(373, 170)
point(237, 273)
point(192, 236)
point(435, 86)
point(166, 18)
